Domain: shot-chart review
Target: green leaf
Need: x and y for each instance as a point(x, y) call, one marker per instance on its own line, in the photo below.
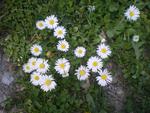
point(91, 103)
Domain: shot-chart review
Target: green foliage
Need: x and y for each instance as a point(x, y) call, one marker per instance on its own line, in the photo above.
point(83, 28)
point(65, 99)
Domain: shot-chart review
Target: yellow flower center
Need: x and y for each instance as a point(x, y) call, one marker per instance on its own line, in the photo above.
point(40, 24)
point(51, 22)
point(60, 32)
point(95, 63)
point(62, 65)
point(131, 13)
point(33, 63)
point(104, 77)
point(80, 51)
point(42, 66)
point(36, 50)
point(36, 77)
point(82, 72)
point(103, 50)
point(47, 82)
point(28, 67)
point(63, 46)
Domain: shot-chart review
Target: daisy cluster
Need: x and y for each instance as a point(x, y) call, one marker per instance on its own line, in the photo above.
point(51, 22)
point(38, 67)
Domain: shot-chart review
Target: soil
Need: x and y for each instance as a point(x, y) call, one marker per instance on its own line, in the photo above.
point(116, 91)
point(8, 78)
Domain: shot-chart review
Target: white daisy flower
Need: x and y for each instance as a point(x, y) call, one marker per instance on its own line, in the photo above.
point(82, 73)
point(35, 78)
point(132, 13)
point(104, 78)
point(63, 45)
point(62, 66)
point(36, 50)
point(94, 63)
point(51, 22)
point(47, 83)
point(103, 51)
point(135, 38)
point(27, 68)
point(60, 32)
point(80, 52)
point(40, 25)
point(42, 65)
point(32, 62)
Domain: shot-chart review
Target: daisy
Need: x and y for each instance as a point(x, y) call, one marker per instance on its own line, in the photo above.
point(94, 63)
point(32, 62)
point(62, 66)
point(80, 52)
point(103, 51)
point(135, 38)
point(40, 25)
point(42, 65)
point(36, 50)
point(63, 45)
point(48, 83)
point(104, 78)
point(35, 78)
point(51, 22)
point(60, 32)
point(27, 68)
point(82, 73)
point(132, 13)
